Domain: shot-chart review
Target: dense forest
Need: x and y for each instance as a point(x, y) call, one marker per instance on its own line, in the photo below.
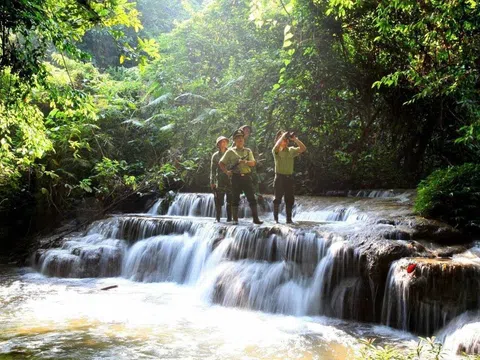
point(112, 99)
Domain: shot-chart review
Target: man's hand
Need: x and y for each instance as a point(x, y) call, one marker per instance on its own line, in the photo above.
point(229, 173)
point(300, 144)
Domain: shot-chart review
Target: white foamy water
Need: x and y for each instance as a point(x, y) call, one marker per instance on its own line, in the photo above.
point(51, 318)
point(275, 284)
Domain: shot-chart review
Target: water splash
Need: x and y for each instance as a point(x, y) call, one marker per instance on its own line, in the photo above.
point(462, 334)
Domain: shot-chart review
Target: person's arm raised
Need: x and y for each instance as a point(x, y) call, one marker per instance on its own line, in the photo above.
point(276, 147)
point(300, 144)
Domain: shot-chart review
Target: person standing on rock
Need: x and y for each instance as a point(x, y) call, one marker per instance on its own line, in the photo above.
point(219, 182)
point(284, 184)
point(237, 163)
point(247, 130)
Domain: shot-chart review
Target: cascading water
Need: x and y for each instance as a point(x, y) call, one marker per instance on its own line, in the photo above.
point(326, 265)
point(203, 205)
point(422, 295)
point(462, 334)
point(273, 269)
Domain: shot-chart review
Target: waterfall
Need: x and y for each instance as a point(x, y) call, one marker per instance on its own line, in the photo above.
point(422, 295)
point(274, 269)
point(203, 205)
point(154, 210)
point(333, 264)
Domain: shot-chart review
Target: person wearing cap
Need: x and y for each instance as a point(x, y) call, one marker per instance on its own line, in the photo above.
point(237, 163)
point(247, 130)
point(219, 182)
point(284, 183)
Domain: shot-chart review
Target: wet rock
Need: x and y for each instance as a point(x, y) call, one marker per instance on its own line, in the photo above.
point(59, 264)
point(425, 299)
point(351, 299)
point(449, 251)
point(385, 221)
point(381, 254)
point(79, 262)
point(397, 234)
point(435, 231)
point(219, 237)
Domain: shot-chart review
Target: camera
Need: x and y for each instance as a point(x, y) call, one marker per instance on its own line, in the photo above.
point(290, 135)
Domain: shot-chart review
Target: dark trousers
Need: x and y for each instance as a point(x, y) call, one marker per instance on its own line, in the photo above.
point(220, 196)
point(284, 186)
point(243, 184)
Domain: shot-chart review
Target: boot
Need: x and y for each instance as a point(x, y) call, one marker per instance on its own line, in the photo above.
point(229, 213)
point(276, 207)
point(288, 210)
point(235, 215)
point(256, 220)
point(218, 212)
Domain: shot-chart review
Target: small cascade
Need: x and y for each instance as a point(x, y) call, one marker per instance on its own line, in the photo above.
point(381, 193)
point(88, 256)
point(333, 288)
point(328, 213)
point(203, 205)
point(462, 334)
point(133, 228)
point(372, 193)
point(172, 258)
point(338, 288)
point(193, 205)
point(422, 295)
point(157, 207)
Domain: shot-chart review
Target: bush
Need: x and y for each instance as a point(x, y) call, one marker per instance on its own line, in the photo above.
point(453, 196)
point(426, 349)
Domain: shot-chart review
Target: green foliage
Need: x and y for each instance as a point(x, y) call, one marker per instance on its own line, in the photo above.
point(428, 50)
point(110, 178)
point(23, 140)
point(453, 195)
point(29, 27)
point(426, 349)
point(378, 91)
point(171, 176)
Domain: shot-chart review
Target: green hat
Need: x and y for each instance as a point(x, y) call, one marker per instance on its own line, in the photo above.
point(238, 133)
point(220, 138)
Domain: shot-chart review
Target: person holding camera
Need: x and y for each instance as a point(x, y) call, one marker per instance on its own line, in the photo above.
point(237, 163)
point(284, 184)
point(219, 182)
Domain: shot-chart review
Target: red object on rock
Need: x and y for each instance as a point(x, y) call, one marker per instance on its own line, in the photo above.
point(411, 268)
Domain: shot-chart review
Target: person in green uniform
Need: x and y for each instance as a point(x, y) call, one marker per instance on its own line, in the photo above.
point(237, 163)
point(284, 183)
point(247, 130)
point(219, 182)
